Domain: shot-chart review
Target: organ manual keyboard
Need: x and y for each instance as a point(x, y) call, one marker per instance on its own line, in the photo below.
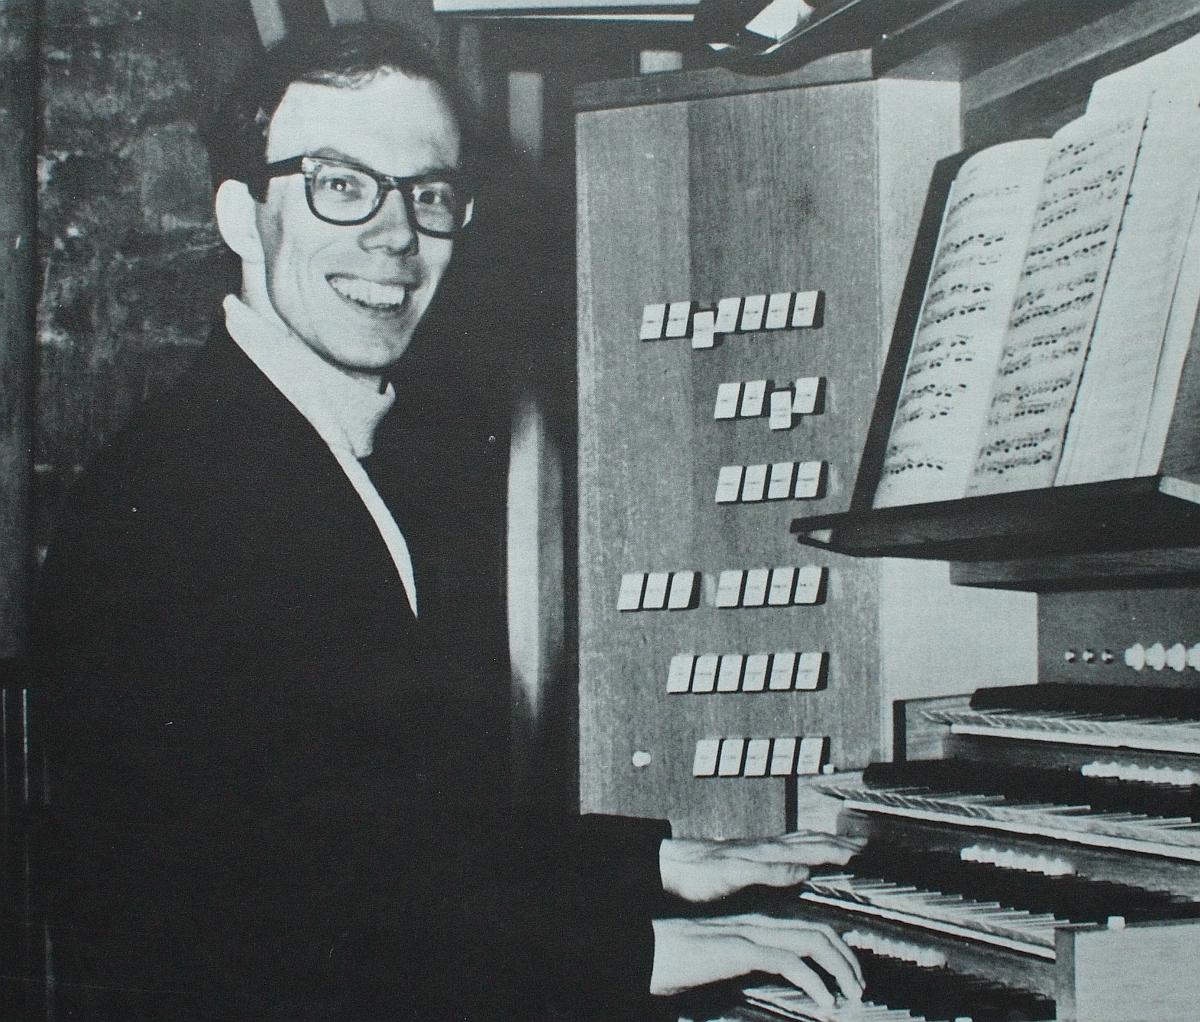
point(1032, 853)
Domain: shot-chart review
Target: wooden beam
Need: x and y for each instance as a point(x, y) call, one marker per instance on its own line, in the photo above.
point(918, 49)
point(1000, 103)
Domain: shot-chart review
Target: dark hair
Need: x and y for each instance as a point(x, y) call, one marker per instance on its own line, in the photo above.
point(346, 56)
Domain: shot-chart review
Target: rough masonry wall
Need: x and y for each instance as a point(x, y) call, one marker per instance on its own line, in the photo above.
point(132, 265)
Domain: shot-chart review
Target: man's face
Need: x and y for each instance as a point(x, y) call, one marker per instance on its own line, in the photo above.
point(354, 294)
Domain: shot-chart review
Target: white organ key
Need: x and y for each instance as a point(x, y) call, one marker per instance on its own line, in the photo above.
point(655, 597)
point(731, 757)
point(727, 400)
point(684, 590)
point(808, 389)
point(790, 1003)
point(679, 676)
point(808, 584)
point(729, 484)
point(904, 950)
point(653, 317)
point(783, 581)
point(1176, 839)
point(756, 587)
point(778, 307)
point(783, 755)
point(730, 672)
point(808, 671)
point(755, 675)
point(1177, 657)
point(1135, 656)
point(753, 394)
point(780, 486)
point(757, 753)
point(781, 409)
point(729, 587)
point(754, 483)
point(728, 310)
point(783, 668)
point(988, 921)
point(704, 764)
point(1193, 657)
point(704, 676)
point(630, 595)
point(753, 307)
point(1077, 729)
point(703, 329)
point(808, 479)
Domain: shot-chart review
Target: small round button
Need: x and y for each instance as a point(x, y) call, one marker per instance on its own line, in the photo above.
point(641, 759)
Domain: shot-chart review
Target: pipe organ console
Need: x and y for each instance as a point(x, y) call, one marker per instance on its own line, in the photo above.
point(1032, 850)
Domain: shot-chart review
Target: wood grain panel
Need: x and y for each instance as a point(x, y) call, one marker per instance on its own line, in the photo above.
point(673, 87)
point(633, 249)
point(777, 191)
point(785, 197)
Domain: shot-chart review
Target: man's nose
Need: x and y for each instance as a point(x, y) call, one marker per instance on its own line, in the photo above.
point(389, 229)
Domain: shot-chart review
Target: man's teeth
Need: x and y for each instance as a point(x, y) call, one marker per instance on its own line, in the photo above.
point(369, 292)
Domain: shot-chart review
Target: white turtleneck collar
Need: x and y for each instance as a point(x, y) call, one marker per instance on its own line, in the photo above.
point(344, 410)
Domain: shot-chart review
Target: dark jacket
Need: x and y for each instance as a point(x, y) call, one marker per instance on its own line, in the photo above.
point(274, 793)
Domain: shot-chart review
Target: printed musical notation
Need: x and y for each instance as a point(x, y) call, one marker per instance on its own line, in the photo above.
point(966, 308)
point(1070, 249)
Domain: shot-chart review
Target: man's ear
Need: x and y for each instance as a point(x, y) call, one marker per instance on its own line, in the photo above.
point(238, 221)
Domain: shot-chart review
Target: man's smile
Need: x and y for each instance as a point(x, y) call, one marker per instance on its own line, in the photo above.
point(369, 294)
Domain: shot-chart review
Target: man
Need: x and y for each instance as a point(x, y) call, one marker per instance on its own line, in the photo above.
point(277, 782)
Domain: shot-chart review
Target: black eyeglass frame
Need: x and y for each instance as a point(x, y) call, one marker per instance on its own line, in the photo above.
point(386, 183)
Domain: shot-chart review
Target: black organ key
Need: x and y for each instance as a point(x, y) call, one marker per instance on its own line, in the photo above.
point(1069, 898)
point(939, 994)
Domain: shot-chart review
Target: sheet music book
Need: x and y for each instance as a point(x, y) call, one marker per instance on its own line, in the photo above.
point(1057, 357)
point(973, 281)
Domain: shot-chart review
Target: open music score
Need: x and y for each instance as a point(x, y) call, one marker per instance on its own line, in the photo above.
point(1059, 309)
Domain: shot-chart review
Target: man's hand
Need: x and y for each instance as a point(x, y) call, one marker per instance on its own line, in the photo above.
point(698, 870)
point(692, 952)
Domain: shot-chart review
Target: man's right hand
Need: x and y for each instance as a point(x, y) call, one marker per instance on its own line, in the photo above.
point(691, 952)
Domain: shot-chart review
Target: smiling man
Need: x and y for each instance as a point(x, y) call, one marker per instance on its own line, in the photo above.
point(278, 792)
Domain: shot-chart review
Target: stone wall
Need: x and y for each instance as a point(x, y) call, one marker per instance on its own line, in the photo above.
point(132, 265)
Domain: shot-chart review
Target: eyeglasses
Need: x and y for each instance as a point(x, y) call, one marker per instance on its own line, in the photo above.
point(438, 204)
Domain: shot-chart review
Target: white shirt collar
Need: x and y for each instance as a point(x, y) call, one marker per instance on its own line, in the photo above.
point(345, 411)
